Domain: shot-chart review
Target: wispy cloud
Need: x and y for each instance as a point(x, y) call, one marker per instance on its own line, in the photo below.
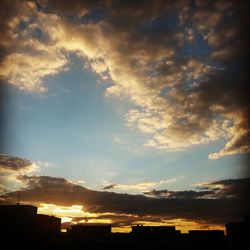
point(186, 194)
point(16, 164)
point(11, 168)
point(142, 186)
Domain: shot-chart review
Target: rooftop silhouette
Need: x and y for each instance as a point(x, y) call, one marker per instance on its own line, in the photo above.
point(23, 227)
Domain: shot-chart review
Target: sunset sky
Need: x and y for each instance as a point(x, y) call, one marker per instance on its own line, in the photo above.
point(126, 112)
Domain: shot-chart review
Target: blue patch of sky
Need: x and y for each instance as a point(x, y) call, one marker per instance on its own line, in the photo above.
point(38, 34)
point(192, 165)
point(188, 167)
point(73, 106)
point(164, 91)
point(94, 16)
point(197, 49)
point(72, 125)
point(187, 85)
point(22, 25)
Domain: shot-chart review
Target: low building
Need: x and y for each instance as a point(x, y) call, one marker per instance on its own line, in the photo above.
point(89, 230)
point(238, 234)
point(206, 239)
point(22, 223)
point(159, 230)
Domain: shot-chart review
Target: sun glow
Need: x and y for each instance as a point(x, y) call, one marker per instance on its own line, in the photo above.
point(124, 229)
point(72, 214)
point(62, 211)
point(183, 225)
point(75, 214)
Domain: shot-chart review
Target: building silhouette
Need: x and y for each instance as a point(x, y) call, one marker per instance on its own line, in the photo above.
point(88, 230)
point(207, 239)
point(89, 236)
point(21, 226)
point(154, 230)
point(238, 234)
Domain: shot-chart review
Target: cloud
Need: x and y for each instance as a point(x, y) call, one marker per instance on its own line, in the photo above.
point(16, 164)
point(142, 186)
point(13, 13)
point(206, 19)
point(223, 189)
point(10, 168)
point(31, 58)
point(58, 191)
point(231, 188)
point(190, 194)
point(111, 186)
point(26, 70)
point(182, 67)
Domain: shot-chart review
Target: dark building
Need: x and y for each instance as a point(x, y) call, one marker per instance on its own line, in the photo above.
point(17, 210)
point(20, 224)
point(150, 237)
point(89, 236)
point(207, 239)
point(90, 230)
point(238, 234)
point(206, 233)
point(48, 224)
point(155, 230)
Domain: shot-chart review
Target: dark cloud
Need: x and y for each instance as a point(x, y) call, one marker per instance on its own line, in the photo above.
point(12, 13)
point(224, 189)
point(110, 186)
point(232, 188)
point(119, 219)
point(190, 194)
point(8, 11)
point(13, 163)
point(71, 8)
point(45, 189)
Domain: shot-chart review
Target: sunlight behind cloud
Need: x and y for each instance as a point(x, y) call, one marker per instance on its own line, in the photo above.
point(161, 70)
point(61, 211)
point(72, 214)
point(183, 225)
point(75, 214)
point(142, 186)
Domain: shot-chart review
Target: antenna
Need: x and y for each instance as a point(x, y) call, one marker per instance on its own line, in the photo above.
point(18, 198)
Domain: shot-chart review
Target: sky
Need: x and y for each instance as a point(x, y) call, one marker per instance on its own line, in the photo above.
point(126, 112)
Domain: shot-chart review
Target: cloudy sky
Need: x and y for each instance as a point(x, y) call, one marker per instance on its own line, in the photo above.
point(105, 104)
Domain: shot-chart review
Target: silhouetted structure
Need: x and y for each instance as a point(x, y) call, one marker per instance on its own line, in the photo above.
point(21, 225)
point(150, 237)
point(91, 236)
point(238, 234)
point(207, 239)
point(17, 210)
point(157, 230)
point(90, 230)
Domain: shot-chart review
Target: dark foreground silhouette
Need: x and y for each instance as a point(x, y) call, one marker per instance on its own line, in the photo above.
point(22, 227)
